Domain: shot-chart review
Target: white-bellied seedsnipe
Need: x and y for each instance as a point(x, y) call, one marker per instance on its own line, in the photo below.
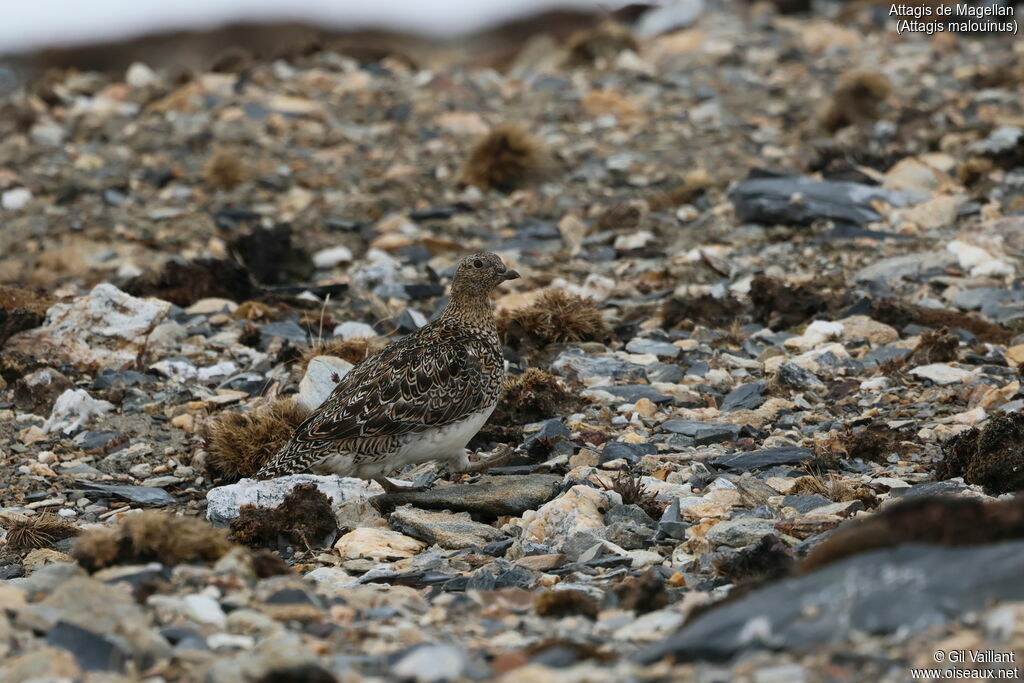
point(421, 398)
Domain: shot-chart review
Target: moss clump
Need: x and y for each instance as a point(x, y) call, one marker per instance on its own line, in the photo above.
point(992, 456)
point(304, 518)
point(533, 396)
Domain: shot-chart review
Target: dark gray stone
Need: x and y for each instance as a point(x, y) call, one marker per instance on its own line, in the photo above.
point(652, 346)
point(703, 433)
point(631, 452)
point(744, 397)
point(908, 589)
point(931, 488)
point(806, 503)
point(286, 329)
point(576, 361)
point(628, 513)
point(501, 574)
point(143, 495)
point(92, 651)
point(449, 531)
point(634, 392)
point(489, 498)
point(796, 377)
point(766, 457)
point(665, 372)
point(772, 201)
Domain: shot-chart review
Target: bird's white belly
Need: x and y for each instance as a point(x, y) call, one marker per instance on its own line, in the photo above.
point(442, 443)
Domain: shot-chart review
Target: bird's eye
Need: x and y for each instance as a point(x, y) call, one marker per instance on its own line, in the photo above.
point(478, 264)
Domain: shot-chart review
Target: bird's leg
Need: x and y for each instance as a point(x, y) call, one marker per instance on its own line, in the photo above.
point(391, 487)
point(500, 457)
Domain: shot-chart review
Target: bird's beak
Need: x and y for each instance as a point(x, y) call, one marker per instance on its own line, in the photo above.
point(511, 274)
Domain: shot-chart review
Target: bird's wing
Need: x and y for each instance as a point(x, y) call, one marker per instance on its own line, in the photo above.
point(404, 389)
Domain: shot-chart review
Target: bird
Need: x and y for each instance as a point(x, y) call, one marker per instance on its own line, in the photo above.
point(421, 398)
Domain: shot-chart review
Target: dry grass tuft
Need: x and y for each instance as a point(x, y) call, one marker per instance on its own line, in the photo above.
point(856, 99)
point(238, 444)
point(224, 170)
point(555, 316)
point(151, 536)
point(533, 396)
point(565, 603)
point(38, 532)
point(634, 492)
point(506, 159)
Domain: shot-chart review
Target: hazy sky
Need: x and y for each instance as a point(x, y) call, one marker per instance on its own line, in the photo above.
point(33, 23)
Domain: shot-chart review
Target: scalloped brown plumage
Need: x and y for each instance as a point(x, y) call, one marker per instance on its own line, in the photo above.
point(420, 398)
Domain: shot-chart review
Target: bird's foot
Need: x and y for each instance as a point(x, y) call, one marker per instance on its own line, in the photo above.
point(391, 487)
point(501, 457)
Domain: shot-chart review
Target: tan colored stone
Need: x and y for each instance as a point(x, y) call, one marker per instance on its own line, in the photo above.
point(377, 544)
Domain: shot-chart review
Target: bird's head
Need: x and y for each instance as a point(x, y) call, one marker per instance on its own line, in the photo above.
point(479, 273)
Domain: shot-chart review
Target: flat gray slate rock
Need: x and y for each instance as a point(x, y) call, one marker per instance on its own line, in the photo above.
point(453, 532)
point(490, 497)
point(908, 589)
point(771, 200)
point(143, 495)
point(766, 457)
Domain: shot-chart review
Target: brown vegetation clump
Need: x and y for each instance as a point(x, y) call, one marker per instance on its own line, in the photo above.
point(151, 536)
point(238, 444)
point(780, 306)
point(42, 531)
point(898, 314)
point(941, 520)
point(555, 316)
point(224, 171)
point(642, 594)
point(184, 283)
point(704, 310)
point(20, 310)
point(856, 99)
point(768, 559)
point(935, 346)
point(304, 518)
point(602, 42)
point(992, 456)
point(874, 442)
point(533, 396)
point(565, 603)
point(506, 159)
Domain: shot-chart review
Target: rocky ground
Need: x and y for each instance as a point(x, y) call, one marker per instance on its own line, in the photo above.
point(764, 358)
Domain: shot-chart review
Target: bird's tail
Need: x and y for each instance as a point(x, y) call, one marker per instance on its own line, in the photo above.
point(295, 457)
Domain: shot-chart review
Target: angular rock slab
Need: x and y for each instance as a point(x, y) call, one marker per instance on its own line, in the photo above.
point(908, 589)
point(449, 531)
point(774, 200)
point(489, 498)
point(223, 502)
point(143, 495)
point(766, 457)
point(106, 328)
